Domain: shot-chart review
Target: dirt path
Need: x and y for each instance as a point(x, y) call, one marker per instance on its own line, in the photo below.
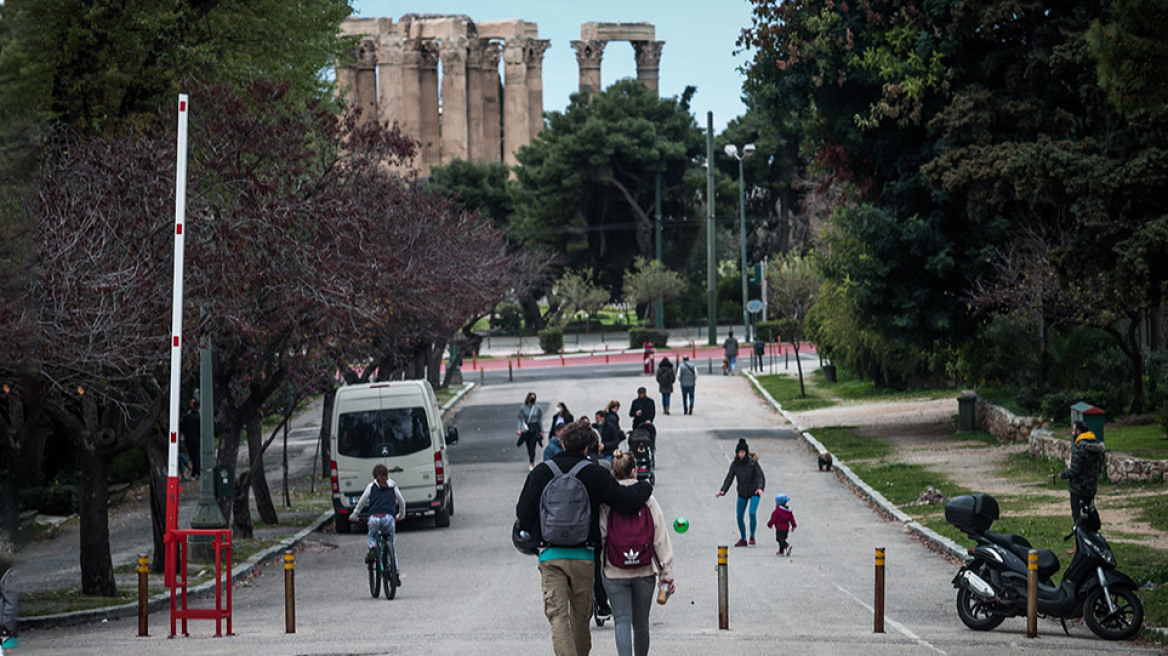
point(922, 432)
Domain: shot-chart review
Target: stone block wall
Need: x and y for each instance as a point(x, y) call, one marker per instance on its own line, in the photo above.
point(1120, 466)
point(1003, 424)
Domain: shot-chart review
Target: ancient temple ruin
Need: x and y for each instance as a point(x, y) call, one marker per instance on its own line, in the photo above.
point(477, 114)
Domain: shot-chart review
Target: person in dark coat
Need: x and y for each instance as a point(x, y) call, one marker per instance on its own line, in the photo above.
point(568, 574)
point(665, 379)
point(751, 482)
point(611, 434)
point(642, 409)
point(1087, 461)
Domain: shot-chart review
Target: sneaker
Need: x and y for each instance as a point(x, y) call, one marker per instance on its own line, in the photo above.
point(397, 579)
point(740, 543)
point(779, 552)
point(604, 613)
point(752, 541)
point(370, 557)
point(789, 548)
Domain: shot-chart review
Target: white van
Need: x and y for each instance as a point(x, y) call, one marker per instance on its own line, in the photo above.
point(398, 425)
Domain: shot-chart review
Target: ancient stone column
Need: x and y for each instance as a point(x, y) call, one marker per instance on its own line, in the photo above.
point(455, 130)
point(516, 117)
point(589, 52)
point(474, 96)
point(410, 119)
point(492, 116)
point(364, 93)
point(534, 60)
point(429, 132)
point(390, 62)
point(648, 55)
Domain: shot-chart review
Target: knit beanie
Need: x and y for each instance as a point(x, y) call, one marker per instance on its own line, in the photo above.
point(741, 447)
point(781, 500)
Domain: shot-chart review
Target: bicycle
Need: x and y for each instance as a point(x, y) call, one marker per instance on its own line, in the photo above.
point(383, 570)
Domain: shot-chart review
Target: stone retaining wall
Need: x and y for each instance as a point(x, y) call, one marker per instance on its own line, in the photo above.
point(1120, 466)
point(1003, 424)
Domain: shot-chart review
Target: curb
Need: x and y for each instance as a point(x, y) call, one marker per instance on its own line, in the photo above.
point(161, 601)
point(934, 539)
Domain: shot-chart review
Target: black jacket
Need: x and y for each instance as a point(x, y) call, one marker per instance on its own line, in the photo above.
point(749, 474)
point(611, 433)
point(647, 407)
point(601, 486)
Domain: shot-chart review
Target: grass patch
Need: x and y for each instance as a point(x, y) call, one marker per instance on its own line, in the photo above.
point(785, 390)
point(847, 445)
point(902, 483)
point(1024, 468)
point(851, 388)
point(980, 436)
point(1145, 441)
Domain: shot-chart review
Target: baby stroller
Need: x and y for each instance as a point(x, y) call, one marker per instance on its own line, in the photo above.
point(641, 445)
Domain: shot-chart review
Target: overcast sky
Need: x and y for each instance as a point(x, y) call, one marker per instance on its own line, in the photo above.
point(699, 43)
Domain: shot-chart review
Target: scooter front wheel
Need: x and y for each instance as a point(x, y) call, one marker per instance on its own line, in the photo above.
point(1122, 624)
point(975, 613)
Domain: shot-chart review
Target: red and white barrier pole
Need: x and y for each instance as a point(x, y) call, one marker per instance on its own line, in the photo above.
point(180, 211)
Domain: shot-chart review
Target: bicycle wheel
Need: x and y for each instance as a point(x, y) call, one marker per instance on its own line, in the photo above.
point(374, 579)
point(389, 571)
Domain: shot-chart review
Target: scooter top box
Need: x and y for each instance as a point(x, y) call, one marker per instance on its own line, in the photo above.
point(972, 511)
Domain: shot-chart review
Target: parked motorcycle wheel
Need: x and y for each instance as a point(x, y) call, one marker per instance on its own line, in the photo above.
point(1123, 624)
point(975, 613)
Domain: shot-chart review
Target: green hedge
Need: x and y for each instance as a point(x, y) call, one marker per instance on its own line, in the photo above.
point(551, 340)
point(767, 330)
point(638, 337)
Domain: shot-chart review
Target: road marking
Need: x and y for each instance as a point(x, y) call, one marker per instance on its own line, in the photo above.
point(893, 623)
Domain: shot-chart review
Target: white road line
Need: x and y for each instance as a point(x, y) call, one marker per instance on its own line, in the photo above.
point(893, 623)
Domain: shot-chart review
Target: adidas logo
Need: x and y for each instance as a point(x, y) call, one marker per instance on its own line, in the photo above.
point(631, 556)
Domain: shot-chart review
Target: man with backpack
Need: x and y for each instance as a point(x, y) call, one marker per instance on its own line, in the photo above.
point(560, 506)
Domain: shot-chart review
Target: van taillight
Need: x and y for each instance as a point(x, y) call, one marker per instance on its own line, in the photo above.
point(333, 475)
point(439, 469)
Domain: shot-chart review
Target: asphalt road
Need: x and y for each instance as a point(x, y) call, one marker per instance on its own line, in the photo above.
point(467, 591)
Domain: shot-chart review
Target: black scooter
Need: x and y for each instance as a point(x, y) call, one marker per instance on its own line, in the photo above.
point(991, 586)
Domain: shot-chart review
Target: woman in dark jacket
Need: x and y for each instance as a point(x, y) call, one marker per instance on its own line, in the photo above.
point(751, 483)
point(610, 432)
point(665, 378)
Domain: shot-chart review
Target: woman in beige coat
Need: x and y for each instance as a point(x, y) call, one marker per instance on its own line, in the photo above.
point(631, 591)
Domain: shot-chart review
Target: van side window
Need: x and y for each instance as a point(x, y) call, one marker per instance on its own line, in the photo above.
point(383, 433)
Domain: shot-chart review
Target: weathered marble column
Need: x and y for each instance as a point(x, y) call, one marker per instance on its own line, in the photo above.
point(648, 54)
point(365, 83)
point(492, 116)
point(516, 117)
point(589, 52)
point(455, 130)
point(534, 62)
point(474, 96)
point(429, 132)
point(390, 62)
point(411, 91)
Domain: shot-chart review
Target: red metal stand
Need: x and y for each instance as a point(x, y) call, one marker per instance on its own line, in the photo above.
point(176, 540)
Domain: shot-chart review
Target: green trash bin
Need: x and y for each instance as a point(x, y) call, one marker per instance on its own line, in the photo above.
point(224, 481)
point(967, 412)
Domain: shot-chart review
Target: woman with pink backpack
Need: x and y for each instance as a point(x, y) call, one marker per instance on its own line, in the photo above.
point(637, 562)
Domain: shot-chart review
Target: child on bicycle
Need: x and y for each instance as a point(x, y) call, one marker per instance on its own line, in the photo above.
point(387, 506)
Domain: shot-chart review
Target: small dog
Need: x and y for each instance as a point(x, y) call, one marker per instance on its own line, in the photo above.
point(825, 461)
point(725, 367)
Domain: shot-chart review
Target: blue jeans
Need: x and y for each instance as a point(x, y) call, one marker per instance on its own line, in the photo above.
point(687, 399)
point(753, 501)
point(665, 399)
point(732, 361)
point(385, 523)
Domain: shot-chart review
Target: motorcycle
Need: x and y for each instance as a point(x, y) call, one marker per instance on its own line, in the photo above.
point(992, 584)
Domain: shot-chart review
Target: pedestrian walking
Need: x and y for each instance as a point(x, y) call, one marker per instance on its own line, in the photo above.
point(730, 348)
point(569, 535)
point(637, 551)
point(643, 409)
point(530, 428)
point(783, 521)
point(611, 434)
point(687, 377)
point(751, 482)
point(665, 377)
point(560, 419)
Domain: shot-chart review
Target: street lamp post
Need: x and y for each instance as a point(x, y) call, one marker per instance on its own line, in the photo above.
point(747, 151)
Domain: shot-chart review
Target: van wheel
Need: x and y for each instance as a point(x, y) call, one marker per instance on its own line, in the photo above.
point(342, 524)
point(450, 501)
point(442, 514)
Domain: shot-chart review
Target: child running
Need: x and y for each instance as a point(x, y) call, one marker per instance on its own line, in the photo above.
point(783, 521)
